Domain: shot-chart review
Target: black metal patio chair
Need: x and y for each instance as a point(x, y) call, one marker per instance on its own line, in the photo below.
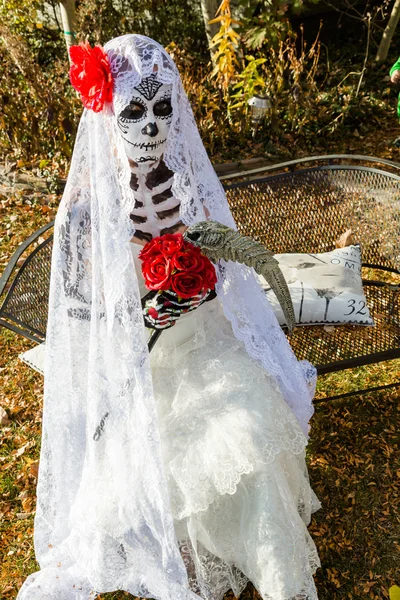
point(299, 206)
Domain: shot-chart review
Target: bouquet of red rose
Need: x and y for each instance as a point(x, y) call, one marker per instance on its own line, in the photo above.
point(180, 278)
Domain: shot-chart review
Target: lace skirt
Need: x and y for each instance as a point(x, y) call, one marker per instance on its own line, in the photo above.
point(234, 455)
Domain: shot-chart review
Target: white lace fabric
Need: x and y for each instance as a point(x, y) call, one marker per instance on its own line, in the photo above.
point(107, 512)
point(234, 457)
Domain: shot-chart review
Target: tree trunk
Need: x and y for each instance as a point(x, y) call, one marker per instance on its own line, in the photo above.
point(388, 33)
point(209, 9)
point(67, 9)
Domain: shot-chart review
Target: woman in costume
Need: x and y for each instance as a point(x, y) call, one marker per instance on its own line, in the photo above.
point(180, 473)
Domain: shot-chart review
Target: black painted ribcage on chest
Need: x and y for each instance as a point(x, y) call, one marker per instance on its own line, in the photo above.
point(156, 210)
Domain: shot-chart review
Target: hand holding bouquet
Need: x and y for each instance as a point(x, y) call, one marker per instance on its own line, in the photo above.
point(180, 278)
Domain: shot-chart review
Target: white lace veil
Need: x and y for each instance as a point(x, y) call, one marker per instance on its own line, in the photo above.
point(103, 518)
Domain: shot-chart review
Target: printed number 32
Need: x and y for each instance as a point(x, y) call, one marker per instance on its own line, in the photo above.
point(352, 305)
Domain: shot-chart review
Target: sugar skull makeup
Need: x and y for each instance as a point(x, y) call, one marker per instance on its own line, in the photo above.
point(145, 122)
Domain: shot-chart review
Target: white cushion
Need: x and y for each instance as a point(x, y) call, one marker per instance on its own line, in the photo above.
point(325, 288)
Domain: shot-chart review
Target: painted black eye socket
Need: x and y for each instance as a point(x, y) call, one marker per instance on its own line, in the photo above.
point(163, 108)
point(134, 111)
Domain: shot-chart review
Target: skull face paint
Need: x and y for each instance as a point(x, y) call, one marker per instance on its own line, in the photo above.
point(145, 122)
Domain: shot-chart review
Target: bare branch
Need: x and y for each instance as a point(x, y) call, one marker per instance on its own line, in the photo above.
point(366, 57)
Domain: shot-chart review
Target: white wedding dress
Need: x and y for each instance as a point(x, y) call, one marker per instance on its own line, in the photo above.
point(234, 456)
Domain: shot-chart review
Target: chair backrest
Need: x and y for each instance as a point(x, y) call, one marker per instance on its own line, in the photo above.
point(26, 304)
point(309, 209)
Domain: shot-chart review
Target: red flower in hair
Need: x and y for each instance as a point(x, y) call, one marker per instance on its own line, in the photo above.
point(90, 75)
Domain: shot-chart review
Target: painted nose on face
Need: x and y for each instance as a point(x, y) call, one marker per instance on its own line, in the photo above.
point(150, 129)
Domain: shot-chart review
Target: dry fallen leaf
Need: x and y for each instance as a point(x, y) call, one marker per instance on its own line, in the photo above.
point(21, 450)
point(3, 417)
point(346, 239)
point(34, 469)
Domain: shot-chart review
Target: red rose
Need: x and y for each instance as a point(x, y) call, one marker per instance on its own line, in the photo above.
point(90, 75)
point(188, 261)
point(210, 278)
point(151, 249)
point(157, 272)
point(170, 243)
point(209, 274)
point(187, 285)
